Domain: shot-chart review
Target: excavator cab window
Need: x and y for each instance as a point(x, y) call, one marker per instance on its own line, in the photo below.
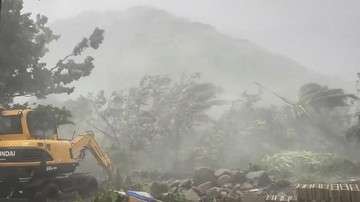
point(42, 125)
point(10, 125)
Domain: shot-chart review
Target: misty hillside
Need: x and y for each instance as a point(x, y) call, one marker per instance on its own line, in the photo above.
point(144, 40)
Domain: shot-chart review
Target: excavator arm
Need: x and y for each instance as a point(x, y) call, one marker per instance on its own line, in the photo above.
point(87, 141)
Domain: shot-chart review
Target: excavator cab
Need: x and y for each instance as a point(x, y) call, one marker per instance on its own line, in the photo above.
point(10, 125)
point(27, 124)
point(26, 132)
point(42, 125)
point(30, 149)
point(29, 145)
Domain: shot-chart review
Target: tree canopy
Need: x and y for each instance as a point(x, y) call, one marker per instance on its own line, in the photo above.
point(23, 43)
point(158, 111)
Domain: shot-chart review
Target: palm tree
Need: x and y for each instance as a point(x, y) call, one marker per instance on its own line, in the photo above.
point(312, 98)
point(317, 97)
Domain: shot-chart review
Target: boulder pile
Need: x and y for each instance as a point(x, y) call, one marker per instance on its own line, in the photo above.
point(220, 185)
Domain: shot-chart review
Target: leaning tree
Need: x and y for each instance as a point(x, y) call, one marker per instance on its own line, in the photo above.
point(23, 43)
point(158, 111)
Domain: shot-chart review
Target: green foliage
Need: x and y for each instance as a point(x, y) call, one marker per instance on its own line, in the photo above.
point(62, 115)
point(319, 97)
point(209, 150)
point(173, 197)
point(23, 43)
point(106, 196)
point(321, 117)
point(353, 133)
point(326, 109)
point(303, 165)
point(162, 120)
point(157, 110)
point(243, 127)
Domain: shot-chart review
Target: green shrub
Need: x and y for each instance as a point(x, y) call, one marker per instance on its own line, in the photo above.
point(309, 166)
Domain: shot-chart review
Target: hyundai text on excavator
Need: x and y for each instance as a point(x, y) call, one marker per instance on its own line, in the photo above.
point(36, 164)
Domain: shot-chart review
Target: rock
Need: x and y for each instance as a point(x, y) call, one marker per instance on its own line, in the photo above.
point(176, 183)
point(255, 174)
point(223, 194)
point(233, 197)
point(260, 178)
point(264, 180)
point(228, 186)
point(227, 189)
point(173, 189)
point(254, 167)
point(164, 197)
point(202, 175)
point(158, 188)
point(253, 197)
point(224, 179)
point(191, 195)
point(214, 191)
point(282, 183)
point(238, 177)
point(239, 193)
point(186, 184)
point(246, 186)
point(221, 172)
point(205, 186)
point(256, 190)
point(236, 187)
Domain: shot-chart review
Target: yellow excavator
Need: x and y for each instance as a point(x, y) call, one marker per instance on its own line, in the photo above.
point(36, 164)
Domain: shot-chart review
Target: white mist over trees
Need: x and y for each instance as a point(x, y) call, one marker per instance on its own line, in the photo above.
point(150, 107)
point(145, 40)
point(322, 35)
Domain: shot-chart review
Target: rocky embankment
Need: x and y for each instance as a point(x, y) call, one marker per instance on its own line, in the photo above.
point(223, 185)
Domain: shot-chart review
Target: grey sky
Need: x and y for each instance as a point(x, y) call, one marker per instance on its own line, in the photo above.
point(321, 34)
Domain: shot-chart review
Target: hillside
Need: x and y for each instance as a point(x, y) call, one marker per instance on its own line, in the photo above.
point(145, 40)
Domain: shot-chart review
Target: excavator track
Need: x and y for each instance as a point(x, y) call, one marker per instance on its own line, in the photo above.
point(54, 189)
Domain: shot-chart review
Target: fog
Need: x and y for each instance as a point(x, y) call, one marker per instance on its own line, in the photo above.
point(189, 100)
point(322, 35)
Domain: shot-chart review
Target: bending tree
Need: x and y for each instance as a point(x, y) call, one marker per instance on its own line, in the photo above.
point(23, 43)
point(157, 110)
point(353, 133)
point(319, 97)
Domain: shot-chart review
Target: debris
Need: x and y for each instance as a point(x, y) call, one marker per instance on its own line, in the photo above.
point(222, 180)
point(255, 175)
point(135, 196)
point(204, 174)
point(186, 184)
point(191, 195)
point(222, 171)
point(220, 185)
point(158, 188)
point(260, 178)
point(246, 186)
point(238, 176)
point(205, 186)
